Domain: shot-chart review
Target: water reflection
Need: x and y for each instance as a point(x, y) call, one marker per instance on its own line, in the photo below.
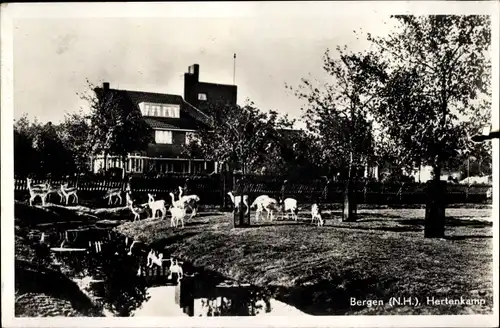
point(204, 297)
point(121, 274)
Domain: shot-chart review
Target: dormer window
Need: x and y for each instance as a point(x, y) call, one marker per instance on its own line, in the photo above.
point(202, 96)
point(159, 110)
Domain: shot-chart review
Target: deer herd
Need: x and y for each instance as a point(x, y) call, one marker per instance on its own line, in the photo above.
point(177, 207)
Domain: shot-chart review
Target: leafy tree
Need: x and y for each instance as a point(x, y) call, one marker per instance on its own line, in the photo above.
point(55, 158)
point(25, 155)
point(116, 124)
point(74, 133)
point(337, 114)
point(237, 136)
point(436, 69)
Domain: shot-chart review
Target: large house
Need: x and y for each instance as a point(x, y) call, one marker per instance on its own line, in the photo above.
point(173, 118)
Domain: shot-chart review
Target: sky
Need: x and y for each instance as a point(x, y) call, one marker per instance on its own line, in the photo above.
point(54, 56)
point(149, 47)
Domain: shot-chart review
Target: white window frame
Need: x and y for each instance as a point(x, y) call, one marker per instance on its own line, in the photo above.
point(163, 137)
point(160, 110)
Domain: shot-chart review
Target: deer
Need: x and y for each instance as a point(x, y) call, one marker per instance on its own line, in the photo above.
point(68, 192)
point(134, 211)
point(177, 211)
point(156, 206)
point(270, 205)
point(39, 191)
point(190, 201)
point(53, 190)
point(153, 258)
point(237, 201)
point(258, 203)
point(316, 215)
point(175, 268)
point(290, 205)
point(115, 192)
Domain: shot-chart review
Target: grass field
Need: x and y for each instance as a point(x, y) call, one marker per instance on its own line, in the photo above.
point(319, 270)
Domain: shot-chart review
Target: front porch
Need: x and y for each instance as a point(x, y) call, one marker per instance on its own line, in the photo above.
point(137, 164)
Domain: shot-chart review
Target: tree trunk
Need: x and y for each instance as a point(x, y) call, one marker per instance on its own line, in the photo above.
point(349, 207)
point(435, 207)
point(123, 167)
point(105, 163)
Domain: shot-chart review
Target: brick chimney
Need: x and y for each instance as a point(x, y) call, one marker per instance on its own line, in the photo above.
point(105, 86)
point(191, 78)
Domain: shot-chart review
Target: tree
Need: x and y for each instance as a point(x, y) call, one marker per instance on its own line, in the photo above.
point(337, 114)
point(24, 136)
point(237, 135)
point(437, 68)
point(74, 133)
point(116, 124)
point(55, 158)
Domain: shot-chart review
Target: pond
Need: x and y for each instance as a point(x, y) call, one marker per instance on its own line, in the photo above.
point(127, 278)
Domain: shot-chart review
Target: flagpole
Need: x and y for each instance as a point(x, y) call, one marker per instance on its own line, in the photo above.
point(234, 68)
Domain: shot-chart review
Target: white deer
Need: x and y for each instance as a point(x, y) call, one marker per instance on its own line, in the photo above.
point(190, 201)
point(156, 206)
point(175, 268)
point(316, 215)
point(178, 212)
point(258, 203)
point(237, 201)
point(270, 205)
point(134, 211)
point(290, 205)
point(153, 258)
point(39, 191)
point(68, 192)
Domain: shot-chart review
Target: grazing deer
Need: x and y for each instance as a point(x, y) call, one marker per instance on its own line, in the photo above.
point(68, 192)
point(40, 191)
point(237, 201)
point(258, 203)
point(115, 192)
point(270, 205)
point(156, 206)
point(290, 205)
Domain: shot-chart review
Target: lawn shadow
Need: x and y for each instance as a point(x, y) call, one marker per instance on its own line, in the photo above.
point(464, 237)
point(451, 222)
point(330, 297)
point(277, 223)
point(390, 229)
point(176, 238)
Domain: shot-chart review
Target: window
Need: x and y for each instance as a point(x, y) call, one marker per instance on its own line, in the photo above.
point(160, 110)
point(202, 96)
point(163, 137)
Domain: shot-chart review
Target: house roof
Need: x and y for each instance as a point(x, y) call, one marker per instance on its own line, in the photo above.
point(171, 123)
point(140, 96)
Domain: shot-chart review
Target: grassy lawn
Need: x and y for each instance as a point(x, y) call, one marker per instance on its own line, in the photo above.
point(318, 270)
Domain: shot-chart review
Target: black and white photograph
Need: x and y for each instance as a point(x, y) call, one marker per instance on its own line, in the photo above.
point(282, 163)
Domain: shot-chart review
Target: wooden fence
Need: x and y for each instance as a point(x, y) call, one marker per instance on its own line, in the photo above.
point(213, 189)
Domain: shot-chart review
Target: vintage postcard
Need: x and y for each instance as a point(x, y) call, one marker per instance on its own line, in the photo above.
point(306, 164)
